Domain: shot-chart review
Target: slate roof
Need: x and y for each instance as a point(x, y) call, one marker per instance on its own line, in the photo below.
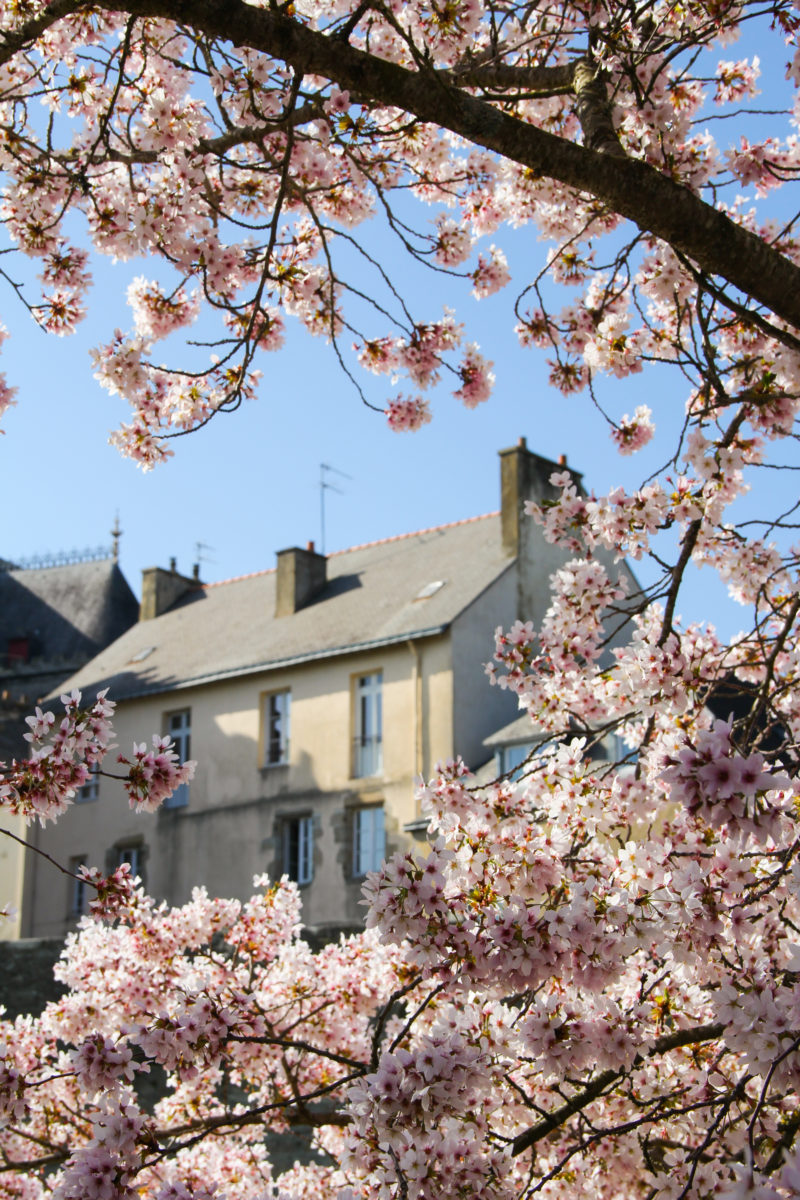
point(521, 729)
point(370, 599)
point(67, 612)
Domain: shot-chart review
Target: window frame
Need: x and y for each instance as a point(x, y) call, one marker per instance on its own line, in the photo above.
point(367, 857)
point(303, 873)
point(78, 898)
point(281, 696)
point(182, 744)
point(90, 790)
point(511, 758)
point(133, 854)
point(367, 724)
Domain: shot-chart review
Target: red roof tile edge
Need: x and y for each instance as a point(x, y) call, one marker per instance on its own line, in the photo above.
point(397, 537)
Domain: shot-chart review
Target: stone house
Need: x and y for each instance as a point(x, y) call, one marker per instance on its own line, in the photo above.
point(311, 695)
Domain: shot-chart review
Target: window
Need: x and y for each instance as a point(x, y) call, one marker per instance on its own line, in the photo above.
point(611, 749)
point(511, 757)
point(298, 848)
point(179, 728)
point(89, 791)
point(369, 839)
point(368, 756)
point(133, 856)
point(78, 889)
point(277, 708)
point(18, 652)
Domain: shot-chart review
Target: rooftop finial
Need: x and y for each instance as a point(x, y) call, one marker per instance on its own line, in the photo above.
point(116, 534)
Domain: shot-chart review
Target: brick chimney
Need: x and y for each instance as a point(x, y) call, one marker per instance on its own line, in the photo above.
point(301, 575)
point(161, 589)
point(525, 476)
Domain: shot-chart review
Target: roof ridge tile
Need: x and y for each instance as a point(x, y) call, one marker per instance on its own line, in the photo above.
point(239, 578)
point(397, 537)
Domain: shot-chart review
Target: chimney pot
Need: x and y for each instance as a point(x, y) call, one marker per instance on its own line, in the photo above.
point(173, 565)
point(524, 476)
point(196, 571)
point(310, 546)
point(301, 575)
point(161, 589)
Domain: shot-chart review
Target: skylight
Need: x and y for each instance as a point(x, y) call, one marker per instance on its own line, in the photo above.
point(141, 655)
point(430, 589)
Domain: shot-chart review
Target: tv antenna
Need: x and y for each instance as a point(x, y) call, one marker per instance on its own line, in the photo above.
point(199, 556)
point(326, 486)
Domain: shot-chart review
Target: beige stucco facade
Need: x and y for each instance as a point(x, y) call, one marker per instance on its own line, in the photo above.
point(11, 876)
point(231, 827)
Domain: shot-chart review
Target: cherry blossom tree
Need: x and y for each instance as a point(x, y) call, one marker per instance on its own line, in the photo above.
point(238, 146)
point(590, 982)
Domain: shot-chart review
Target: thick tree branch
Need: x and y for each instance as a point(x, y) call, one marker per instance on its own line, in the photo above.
point(543, 81)
point(632, 188)
point(594, 111)
point(670, 1041)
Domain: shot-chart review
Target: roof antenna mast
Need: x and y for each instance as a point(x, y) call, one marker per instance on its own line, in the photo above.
point(326, 486)
point(200, 557)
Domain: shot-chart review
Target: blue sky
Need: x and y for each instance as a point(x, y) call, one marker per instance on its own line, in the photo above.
point(248, 485)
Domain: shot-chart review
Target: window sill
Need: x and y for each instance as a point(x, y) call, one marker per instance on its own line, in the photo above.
point(367, 790)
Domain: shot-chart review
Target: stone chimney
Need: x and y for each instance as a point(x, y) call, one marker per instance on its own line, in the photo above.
point(161, 589)
point(525, 476)
point(301, 575)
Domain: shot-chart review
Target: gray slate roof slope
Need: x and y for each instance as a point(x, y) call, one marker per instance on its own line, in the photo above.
point(229, 628)
point(521, 729)
point(69, 612)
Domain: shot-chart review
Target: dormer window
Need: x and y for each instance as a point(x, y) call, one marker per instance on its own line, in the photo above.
point(18, 651)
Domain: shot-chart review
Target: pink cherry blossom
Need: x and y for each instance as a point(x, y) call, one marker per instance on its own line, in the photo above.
point(408, 414)
point(585, 984)
point(634, 432)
